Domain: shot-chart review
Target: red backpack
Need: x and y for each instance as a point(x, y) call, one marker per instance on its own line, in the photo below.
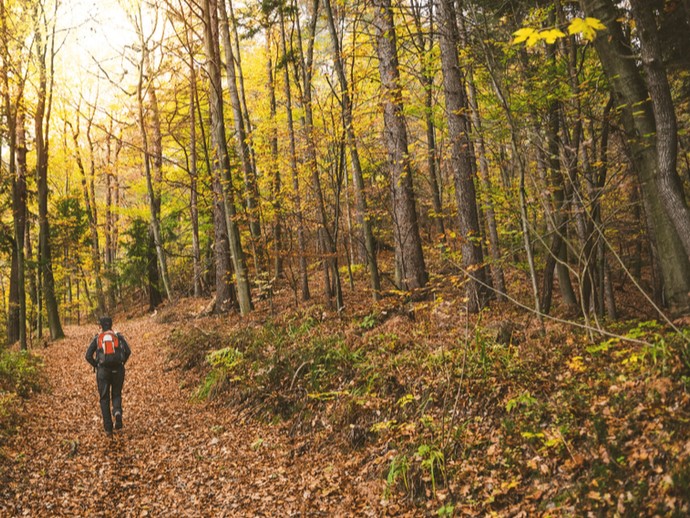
point(109, 353)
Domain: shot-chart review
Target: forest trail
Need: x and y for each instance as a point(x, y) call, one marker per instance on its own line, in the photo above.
point(174, 457)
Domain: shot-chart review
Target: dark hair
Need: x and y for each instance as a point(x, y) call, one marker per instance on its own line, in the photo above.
point(106, 323)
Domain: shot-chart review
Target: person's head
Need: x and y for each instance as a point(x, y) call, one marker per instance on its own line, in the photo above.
point(106, 323)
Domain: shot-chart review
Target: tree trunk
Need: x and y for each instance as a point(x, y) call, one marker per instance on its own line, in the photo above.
point(666, 137)
point(193, 179)
point(241, 139)
point(221, 161)
point(460, 159)
point(42, 126)
point(153, 158)
point(274, 169)
point(332, 287)
point(408, 243)
point(92, 218)
point(19, 212)
point(363, 219)
point(638, 120)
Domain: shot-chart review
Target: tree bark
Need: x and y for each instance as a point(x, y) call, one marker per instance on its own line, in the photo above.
point(357, 174)
point(274, 170)
point(666, 137)
point(460, 158)
point(19, 212)
point(638, 120)
point(91, 216)
point(241, 138)
point(408, 244)
point(332, 288)
point(42, 131)
point(221, 161)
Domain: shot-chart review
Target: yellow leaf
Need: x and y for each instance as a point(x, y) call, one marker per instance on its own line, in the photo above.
point(594, 24)
point(551, 35)
point(523, 34)
point(576, 26)
point(587, 27)
point(533, 39)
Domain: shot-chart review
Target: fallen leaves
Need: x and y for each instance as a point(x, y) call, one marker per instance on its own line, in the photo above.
point(173, 457)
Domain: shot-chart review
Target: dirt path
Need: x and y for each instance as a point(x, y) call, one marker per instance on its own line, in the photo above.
point(173, 457)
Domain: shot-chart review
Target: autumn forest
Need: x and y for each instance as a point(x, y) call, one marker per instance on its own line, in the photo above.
point(483, 203)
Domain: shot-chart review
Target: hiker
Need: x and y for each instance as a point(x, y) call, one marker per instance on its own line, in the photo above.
point(107, 353)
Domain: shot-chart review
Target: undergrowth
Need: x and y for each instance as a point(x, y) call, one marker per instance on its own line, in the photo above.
point(21, 374)
point(556, 421)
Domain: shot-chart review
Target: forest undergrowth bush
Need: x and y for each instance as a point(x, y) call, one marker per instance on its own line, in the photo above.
point(549, 417)
point(21, 374)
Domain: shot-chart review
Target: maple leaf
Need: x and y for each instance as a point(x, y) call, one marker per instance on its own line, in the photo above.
point(586, 27)
point(551, 35)
point(526, 34)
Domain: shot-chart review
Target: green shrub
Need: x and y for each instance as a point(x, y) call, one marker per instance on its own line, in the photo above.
point(189, 347)
point(20, 372)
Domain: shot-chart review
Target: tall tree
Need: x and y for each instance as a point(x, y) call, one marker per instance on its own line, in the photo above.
point(332, 285)
point(408, 244)
point(363, 218)
point(242, 143)
point(633, 100)
point(152, 151)
point(91, 211)
point(461, 158)
point(221, 160)
point(19, 211)
point(44, 53)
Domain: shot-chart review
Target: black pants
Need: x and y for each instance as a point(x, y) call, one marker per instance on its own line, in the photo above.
point(110, 381)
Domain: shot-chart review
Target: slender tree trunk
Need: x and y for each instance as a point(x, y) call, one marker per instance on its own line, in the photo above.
point(241, 139)
point(109, 255)
point(363, 219)
point(460, 159)
point(639, 122)
point(310, 151)
point(276, 183)
point(91, 216)
point(42, 127)
point(153, 158)
point(408, 243)
point(193, 179)
point(221, 161)
point(240, 77)
point(490, 215)
point(520, 163)
point(19, 212)
point(423, 40)
point(332, 287)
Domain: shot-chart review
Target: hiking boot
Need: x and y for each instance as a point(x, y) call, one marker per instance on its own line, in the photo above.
point(118, 421)
point(108, 433)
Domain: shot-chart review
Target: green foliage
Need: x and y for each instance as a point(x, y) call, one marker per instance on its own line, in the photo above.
point(136, 244)
point(397, 473)
point(524, 400)
point(20, 372)
point(368, 322)
point(189, 346)
point(432, 462)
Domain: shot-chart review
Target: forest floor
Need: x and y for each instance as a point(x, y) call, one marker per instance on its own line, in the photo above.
point(398, 408)
point(173, 457)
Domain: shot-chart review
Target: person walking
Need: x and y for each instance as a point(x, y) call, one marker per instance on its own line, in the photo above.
point(107, 353)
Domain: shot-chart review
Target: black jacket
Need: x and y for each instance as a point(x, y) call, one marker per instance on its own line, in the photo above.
point(91, 351)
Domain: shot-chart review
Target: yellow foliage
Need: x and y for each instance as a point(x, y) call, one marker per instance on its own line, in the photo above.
point(587, 27)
